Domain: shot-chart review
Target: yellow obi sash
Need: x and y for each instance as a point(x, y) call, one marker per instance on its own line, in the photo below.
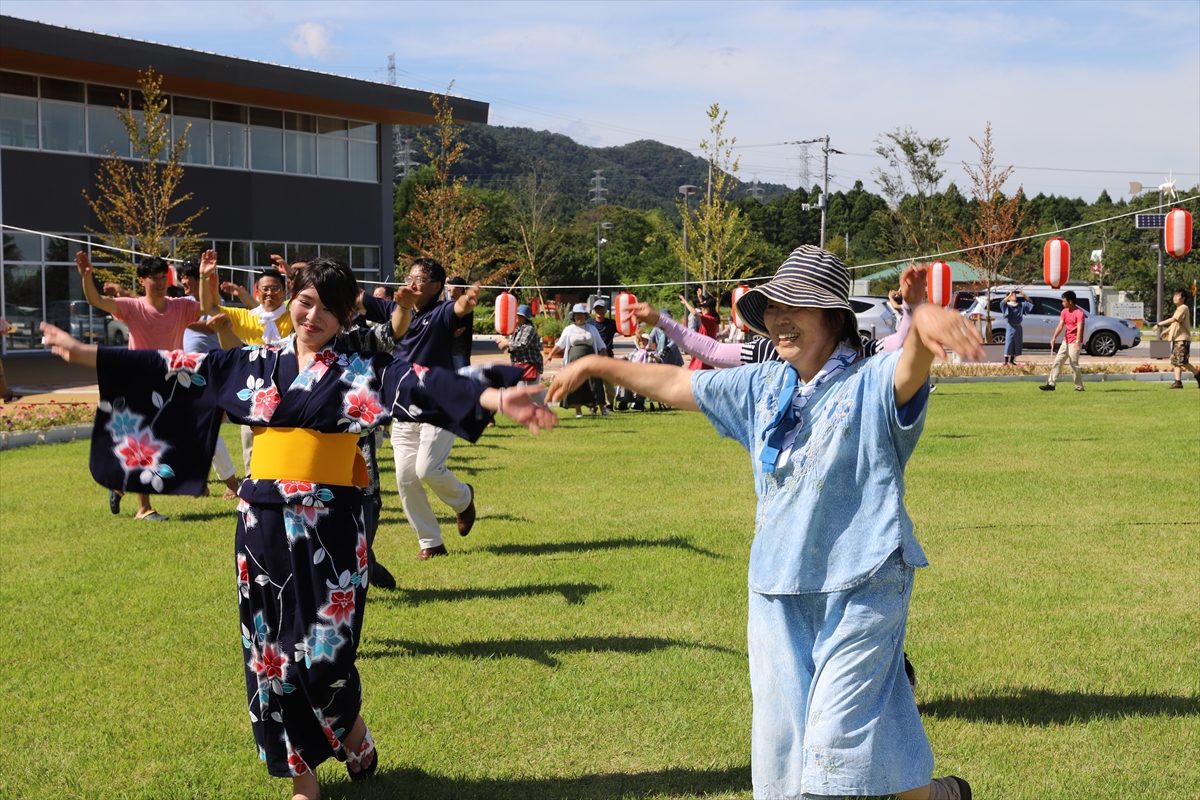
point(301, 454)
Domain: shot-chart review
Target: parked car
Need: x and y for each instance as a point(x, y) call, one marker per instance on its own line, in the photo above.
point(1106, 336)
point(78, 318)
point(118, 332)
point(876, 319)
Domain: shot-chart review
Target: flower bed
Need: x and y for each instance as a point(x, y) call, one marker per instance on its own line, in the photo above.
point(979, 370)
point(43, 416)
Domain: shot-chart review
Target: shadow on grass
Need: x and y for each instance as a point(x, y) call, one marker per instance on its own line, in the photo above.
point(953, 435)
point(573, 593)
point(550, 548)
point(540, 650)
point(399, 519)
point(206, 516)
point(417, 783)
point(1037, 707)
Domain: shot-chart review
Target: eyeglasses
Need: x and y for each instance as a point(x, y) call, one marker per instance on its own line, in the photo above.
point(270, 290)
point(417, 280)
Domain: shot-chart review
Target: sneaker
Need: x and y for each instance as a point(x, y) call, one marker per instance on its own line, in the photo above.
point(1047, 387)
point(604, 412)
point(1079, 388)
point(153, 516)
point(950, 787)
point(578, 415)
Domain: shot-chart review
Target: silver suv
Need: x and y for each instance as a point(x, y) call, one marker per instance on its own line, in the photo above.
point(1105, 335)
point(876, 319)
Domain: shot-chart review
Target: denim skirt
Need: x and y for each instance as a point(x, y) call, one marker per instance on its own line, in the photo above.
point(834, 715)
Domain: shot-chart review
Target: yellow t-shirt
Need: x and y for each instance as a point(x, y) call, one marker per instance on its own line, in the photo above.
point(248, 327)
point(1180, 329)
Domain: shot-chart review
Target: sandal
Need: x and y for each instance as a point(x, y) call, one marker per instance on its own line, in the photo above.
point(114, 502)
point(366, 748)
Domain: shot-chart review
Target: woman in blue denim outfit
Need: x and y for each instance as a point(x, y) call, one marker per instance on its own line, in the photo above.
point(833, 558)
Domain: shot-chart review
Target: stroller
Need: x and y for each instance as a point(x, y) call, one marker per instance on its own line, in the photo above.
point(627, 399)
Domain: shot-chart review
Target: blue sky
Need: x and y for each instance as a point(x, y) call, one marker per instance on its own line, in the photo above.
point(1101, 89)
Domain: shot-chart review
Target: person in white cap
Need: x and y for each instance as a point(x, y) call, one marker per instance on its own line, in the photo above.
point(834, 554)
point(580, 339)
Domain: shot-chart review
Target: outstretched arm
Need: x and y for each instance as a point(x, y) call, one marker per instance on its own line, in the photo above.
point(933, 330)
point(67, 347)
point(107, 304)
point(660, 382)
point(695, 344)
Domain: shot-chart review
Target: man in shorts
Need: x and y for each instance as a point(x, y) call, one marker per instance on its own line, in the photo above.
point(1179, 334)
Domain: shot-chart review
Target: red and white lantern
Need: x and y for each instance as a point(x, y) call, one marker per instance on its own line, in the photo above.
point(506, 314)
point(626, 325)
point(535, 306)
point(1056, 262)
point(1178, 235)
point(738, 291)
point(939, 284)
point(173, 274)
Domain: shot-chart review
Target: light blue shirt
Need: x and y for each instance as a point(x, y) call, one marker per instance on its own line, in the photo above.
point(830, 516)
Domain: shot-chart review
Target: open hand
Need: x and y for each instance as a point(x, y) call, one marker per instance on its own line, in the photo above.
point(471, 295)
point(220, 322)
point(941, 329)
point(229, 287)
point(913, 282)
point(83, 264)
point(519, 406)
point(111, 289)
point(208, 262)
point(281, 265)
point(66, 346)
point(644, 312)
point(570, 378)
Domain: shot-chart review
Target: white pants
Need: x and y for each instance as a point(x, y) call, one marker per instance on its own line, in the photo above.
point(222, 462)
point(421, 451)
point(247, 448)
point(1066, 352)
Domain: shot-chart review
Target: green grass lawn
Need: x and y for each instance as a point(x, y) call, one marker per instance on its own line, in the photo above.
point(588, 639)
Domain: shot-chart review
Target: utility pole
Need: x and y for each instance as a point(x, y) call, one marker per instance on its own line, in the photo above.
point(400, 153)
point(598, 191)
point(823, 201)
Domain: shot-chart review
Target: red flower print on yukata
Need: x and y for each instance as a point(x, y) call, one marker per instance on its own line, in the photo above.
point(263, 402)
point(361, 551)
point(362, 405)
point(290, 488)
point(243, 575)
point(270, 663)
point(183, 366)
point(340, 607)
point(140, 451)
point(295, 762)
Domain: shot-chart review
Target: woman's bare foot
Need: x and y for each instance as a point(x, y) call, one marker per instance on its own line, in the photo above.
point(353, 742)
point(305, 787)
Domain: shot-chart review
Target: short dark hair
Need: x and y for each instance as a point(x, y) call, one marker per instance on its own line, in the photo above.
point(190, 268)
point(271, 273)
point(1179, 291)
point(432, 268)
point(457, 280)
point(844, 325)
point(1069, 295)
point(334, 282)
point(176, 290)
point(151, 265)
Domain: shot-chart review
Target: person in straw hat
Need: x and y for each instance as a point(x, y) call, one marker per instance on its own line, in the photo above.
point(834, 555)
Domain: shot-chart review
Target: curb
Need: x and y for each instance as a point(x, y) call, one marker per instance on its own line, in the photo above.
point(62, 433)
point(1151, 377)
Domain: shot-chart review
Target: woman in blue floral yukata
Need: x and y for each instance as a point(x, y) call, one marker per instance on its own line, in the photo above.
point(301, 543)
point(834, 555)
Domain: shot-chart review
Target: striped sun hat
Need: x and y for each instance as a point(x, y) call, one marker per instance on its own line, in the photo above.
point(810, 278)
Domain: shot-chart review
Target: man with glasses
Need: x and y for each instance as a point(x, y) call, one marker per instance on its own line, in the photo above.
point(155, 322)
point(421, 449)
point(265, 320)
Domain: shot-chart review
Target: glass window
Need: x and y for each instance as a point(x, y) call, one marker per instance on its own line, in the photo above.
point(222, 249)
point(228, 145)
point(332, 157)
point(109, 96)
point(106, 133)
point(329, 126)
point(66, 307)
point(263, 252)
point(339, 251)
point(1047, 305)
point(22, 247)
point(239, 254)
point(98, 252)
point(305, 123)
point(366, 131)
point(266, 117)
point(301, 252)
point(18, 122)
point(365, 259)
point(191, 107)
point(62, 127)
point(266, 149)
point(60, 249)
point(22, 304)
point(228, 112)
point(364, 164)
point(301, 153)
point(56, 89)
point(17, 83)
point(196, 151)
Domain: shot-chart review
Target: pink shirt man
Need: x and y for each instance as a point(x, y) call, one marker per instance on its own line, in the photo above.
point(1071, 320)
point(150, 330)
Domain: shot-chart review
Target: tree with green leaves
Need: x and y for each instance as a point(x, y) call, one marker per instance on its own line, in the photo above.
point(136, 198)
point(912, 160)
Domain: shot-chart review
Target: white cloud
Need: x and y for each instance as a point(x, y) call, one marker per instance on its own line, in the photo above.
point(310, 39)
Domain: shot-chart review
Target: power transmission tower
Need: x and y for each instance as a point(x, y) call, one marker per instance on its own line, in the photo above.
point(402, 154)
point(598, 191)
point(805, 177)
point(755, 190)
point(823, 200)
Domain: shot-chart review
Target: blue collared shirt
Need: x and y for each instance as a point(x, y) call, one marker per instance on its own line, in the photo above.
point(430, 335)
point(834, 512)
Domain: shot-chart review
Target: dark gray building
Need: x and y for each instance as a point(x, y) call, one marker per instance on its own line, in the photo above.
point(285, 160)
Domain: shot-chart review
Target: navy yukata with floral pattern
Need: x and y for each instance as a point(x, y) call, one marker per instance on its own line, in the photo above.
point(301, 547)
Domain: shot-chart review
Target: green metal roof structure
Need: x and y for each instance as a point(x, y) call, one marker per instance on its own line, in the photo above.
point(960, 272)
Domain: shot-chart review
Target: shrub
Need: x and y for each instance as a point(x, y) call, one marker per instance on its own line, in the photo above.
point(549, 326)
point(43, 416)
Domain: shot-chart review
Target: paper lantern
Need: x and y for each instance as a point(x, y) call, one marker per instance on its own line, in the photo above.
point(173, 275)
point(506, 314)
point(939, 284)
point(1178, 235)
point(1056, 262)
point(626, 325)
point(535, 307)
point(738, 291)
